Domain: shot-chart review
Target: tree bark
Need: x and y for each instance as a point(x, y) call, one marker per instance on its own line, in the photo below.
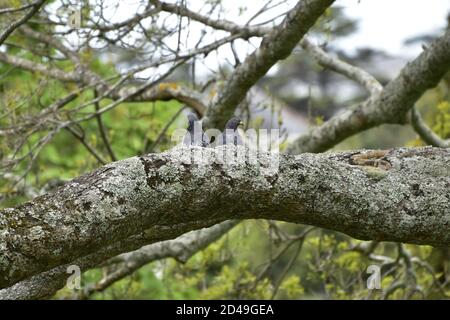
point(389, 106)
point(398, 195)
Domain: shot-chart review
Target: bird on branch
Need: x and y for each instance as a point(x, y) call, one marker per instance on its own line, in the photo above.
point(231, 134)
point(195, 135)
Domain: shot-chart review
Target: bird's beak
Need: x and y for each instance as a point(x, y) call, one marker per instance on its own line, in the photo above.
point(241, 123)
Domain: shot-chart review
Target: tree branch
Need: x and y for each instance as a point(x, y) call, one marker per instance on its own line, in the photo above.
point(275, 46)
point(166, 91)
point(181, 248)
point(219, 24)
point(360, 76)
point(33, 66)
point(425, 132)
point(389, 106)
point(46, 284)
point(13, 26)
point(408, 201)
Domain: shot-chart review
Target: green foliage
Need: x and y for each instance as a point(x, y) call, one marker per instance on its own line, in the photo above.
point(24, 93)
point(327, 268)
point(442, 120)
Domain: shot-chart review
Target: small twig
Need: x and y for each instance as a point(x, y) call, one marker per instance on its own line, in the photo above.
point(425, 133)
point(149, 148)
point(80, 137)
point(287, 268)
point(36, 6)
point(102, 129)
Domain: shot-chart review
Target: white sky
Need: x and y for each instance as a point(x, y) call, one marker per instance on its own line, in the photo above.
point(383, 24)
point(386, 24)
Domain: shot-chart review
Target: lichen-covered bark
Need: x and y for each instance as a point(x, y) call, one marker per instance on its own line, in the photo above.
point(403, 196)
point(47, 283)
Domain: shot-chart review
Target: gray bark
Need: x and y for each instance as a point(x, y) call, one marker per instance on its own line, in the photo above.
point(47, 283)
point(389, 106)
point(402, 196)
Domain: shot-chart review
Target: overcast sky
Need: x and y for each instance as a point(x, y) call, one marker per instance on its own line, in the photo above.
point(383, 24)
point(386, 24)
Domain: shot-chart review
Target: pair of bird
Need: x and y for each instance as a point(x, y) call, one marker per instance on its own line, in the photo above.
point(195, 136)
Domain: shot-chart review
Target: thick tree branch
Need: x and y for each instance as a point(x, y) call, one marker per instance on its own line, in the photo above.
point(360, 76)
point(390, 106)
point(323, 58)
point(275, 46)
point(404, 199)
point(46, 284)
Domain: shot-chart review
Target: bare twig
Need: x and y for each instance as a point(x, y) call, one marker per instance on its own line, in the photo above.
point(425, 132)
point(35, 8)
point(102, 130)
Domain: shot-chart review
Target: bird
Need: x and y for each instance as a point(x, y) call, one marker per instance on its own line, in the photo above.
point(231, 135)
point(195, 135)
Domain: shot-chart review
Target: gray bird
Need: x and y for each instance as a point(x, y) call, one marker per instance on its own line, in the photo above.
point(231, 134)
point(195, 135)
